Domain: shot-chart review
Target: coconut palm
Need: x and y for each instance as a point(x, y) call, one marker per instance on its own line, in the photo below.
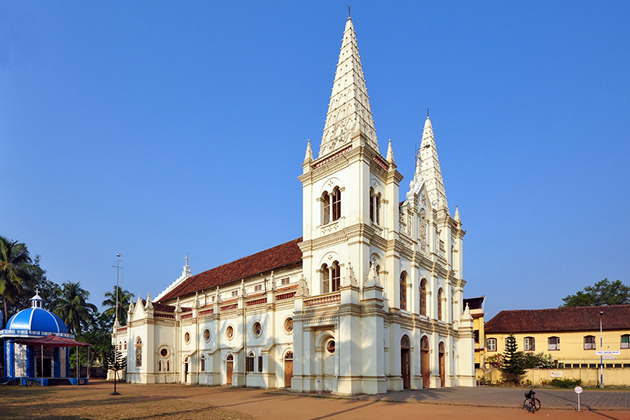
point(124, 298)
point(16, 270)
point(72, 306)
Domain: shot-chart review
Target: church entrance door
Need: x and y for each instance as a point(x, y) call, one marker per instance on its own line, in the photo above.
point(288, 369)
point(186, 370)
point(405, 368)
point(442, 367)
point(425, 368)
point(230, 369)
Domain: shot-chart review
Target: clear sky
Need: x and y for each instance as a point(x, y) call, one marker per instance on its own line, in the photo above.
point(154, 129)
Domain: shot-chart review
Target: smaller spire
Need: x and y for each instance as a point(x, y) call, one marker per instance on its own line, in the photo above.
point(390, 152)
point(36, 301)
point(308, 157)
point(457, 218)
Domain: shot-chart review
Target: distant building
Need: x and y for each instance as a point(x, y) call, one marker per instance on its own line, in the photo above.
point(570, 335)
point(475, 305)
point(369, 299)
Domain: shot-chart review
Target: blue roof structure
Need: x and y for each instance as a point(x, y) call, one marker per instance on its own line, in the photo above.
point(37, 319)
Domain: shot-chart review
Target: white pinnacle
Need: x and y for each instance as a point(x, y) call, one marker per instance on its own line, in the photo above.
point(431, 171)
point(349, 108)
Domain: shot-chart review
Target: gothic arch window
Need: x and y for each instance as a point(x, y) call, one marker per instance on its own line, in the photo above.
point(325, 279)
point(336, 204)
point(440, 305)
point(325, 208)
point(404, 342)
point(139, 352)
point(423, 297)
point(403, 290)
point(336, 277)
point(331, 277)
point(249, 362)
point(203, 363)
point(375, 206)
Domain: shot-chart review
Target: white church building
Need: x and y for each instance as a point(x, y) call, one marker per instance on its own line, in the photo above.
point(368, 300)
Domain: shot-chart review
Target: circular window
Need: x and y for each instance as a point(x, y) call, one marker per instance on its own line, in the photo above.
point(288, 325)
point(229, 332)
point(206, 335)
point(164, 352)
point(187, 337)
point(257, 329)
point(330, 346)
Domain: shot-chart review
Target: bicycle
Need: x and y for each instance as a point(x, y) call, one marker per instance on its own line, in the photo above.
point(531, 403)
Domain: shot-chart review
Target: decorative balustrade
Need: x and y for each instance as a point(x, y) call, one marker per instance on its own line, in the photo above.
point(256, 301)
point(323, 300)
point(229, 307)
point(285, 296)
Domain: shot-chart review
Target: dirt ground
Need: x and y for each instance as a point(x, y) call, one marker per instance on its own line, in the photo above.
point(200, 402)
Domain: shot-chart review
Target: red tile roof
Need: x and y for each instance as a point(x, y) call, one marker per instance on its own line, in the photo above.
point(582, 318)
point(275, 258)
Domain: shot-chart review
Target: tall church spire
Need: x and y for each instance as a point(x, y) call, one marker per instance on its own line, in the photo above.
point(431, 171)
point(349, 110)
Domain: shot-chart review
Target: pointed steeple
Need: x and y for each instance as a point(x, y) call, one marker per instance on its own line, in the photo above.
point(390, 152)
point(458, 219)
point(430, 166)
point(308, 156)
point(349, 110)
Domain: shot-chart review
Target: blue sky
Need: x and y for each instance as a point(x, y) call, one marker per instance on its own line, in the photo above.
point(156, 129)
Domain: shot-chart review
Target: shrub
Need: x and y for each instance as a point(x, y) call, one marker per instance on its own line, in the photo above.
point(565, 383)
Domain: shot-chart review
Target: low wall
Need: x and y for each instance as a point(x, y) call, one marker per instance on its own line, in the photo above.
point(588, 376)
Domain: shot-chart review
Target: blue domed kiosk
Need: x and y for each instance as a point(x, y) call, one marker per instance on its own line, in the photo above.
point(37, 347)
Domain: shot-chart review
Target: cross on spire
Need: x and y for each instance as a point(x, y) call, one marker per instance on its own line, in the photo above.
point(186, 258)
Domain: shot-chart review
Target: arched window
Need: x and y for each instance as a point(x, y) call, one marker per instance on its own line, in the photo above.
point(336, 277)
point(529, 344)
point(249, 362)
point(403, 290)
point(325, 208)
point(203, 363)
point(336, 204)
point(423, 297)
point(589, 342)
point(375, 207)
point(138, 352)
point(325, 279)
point(440, 297)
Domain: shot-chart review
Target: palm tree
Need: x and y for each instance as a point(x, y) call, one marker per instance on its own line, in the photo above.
point(124, 298)
point(16, 270)
point(72, 306)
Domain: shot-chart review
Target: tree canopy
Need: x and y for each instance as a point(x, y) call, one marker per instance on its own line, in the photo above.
point(16, 272)
point(124, 299)
point(73, 308)
point(604, 292)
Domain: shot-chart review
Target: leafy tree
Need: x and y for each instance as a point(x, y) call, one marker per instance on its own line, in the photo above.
point(97, 333)
point(116, 361)
point(604, 292)
point(513, 360)
point(73, 308)
point(124, 299)
point(538, 361)
point(16, 271)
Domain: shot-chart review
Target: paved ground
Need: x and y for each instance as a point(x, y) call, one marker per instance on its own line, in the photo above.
point(487, 403)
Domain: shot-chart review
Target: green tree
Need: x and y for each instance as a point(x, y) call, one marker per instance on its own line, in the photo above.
point(604, 292)
point(16, 271)
point(124, 299)
point(97, 333)
point(513, 360)
point(73, 308)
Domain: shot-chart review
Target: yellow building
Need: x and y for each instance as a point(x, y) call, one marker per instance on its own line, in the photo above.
point(475, 305)
point(570, 335)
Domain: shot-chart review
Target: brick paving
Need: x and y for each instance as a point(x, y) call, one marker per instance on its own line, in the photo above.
point(591, 399)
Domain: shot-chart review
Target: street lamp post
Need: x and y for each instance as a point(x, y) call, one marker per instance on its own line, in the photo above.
point(601, 351)
point(119, 258)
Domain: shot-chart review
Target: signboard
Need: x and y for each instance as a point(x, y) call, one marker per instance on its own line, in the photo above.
point(607, 352)
point(578, 389)
point(556, 374)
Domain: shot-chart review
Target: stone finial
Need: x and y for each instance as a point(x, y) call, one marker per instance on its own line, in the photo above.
point(149, 303)
point(466, 316)
point(178, 307)
point(217, 295)
point(349, 279)
point(372, 278)
point(131, 307)
point(390, 153)
point(273, 282)
point(242, 293)
point(308, 157)
point(457, 217)
point(196, 302)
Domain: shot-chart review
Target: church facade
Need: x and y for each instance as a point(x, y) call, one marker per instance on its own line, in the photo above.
point(369, 299)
